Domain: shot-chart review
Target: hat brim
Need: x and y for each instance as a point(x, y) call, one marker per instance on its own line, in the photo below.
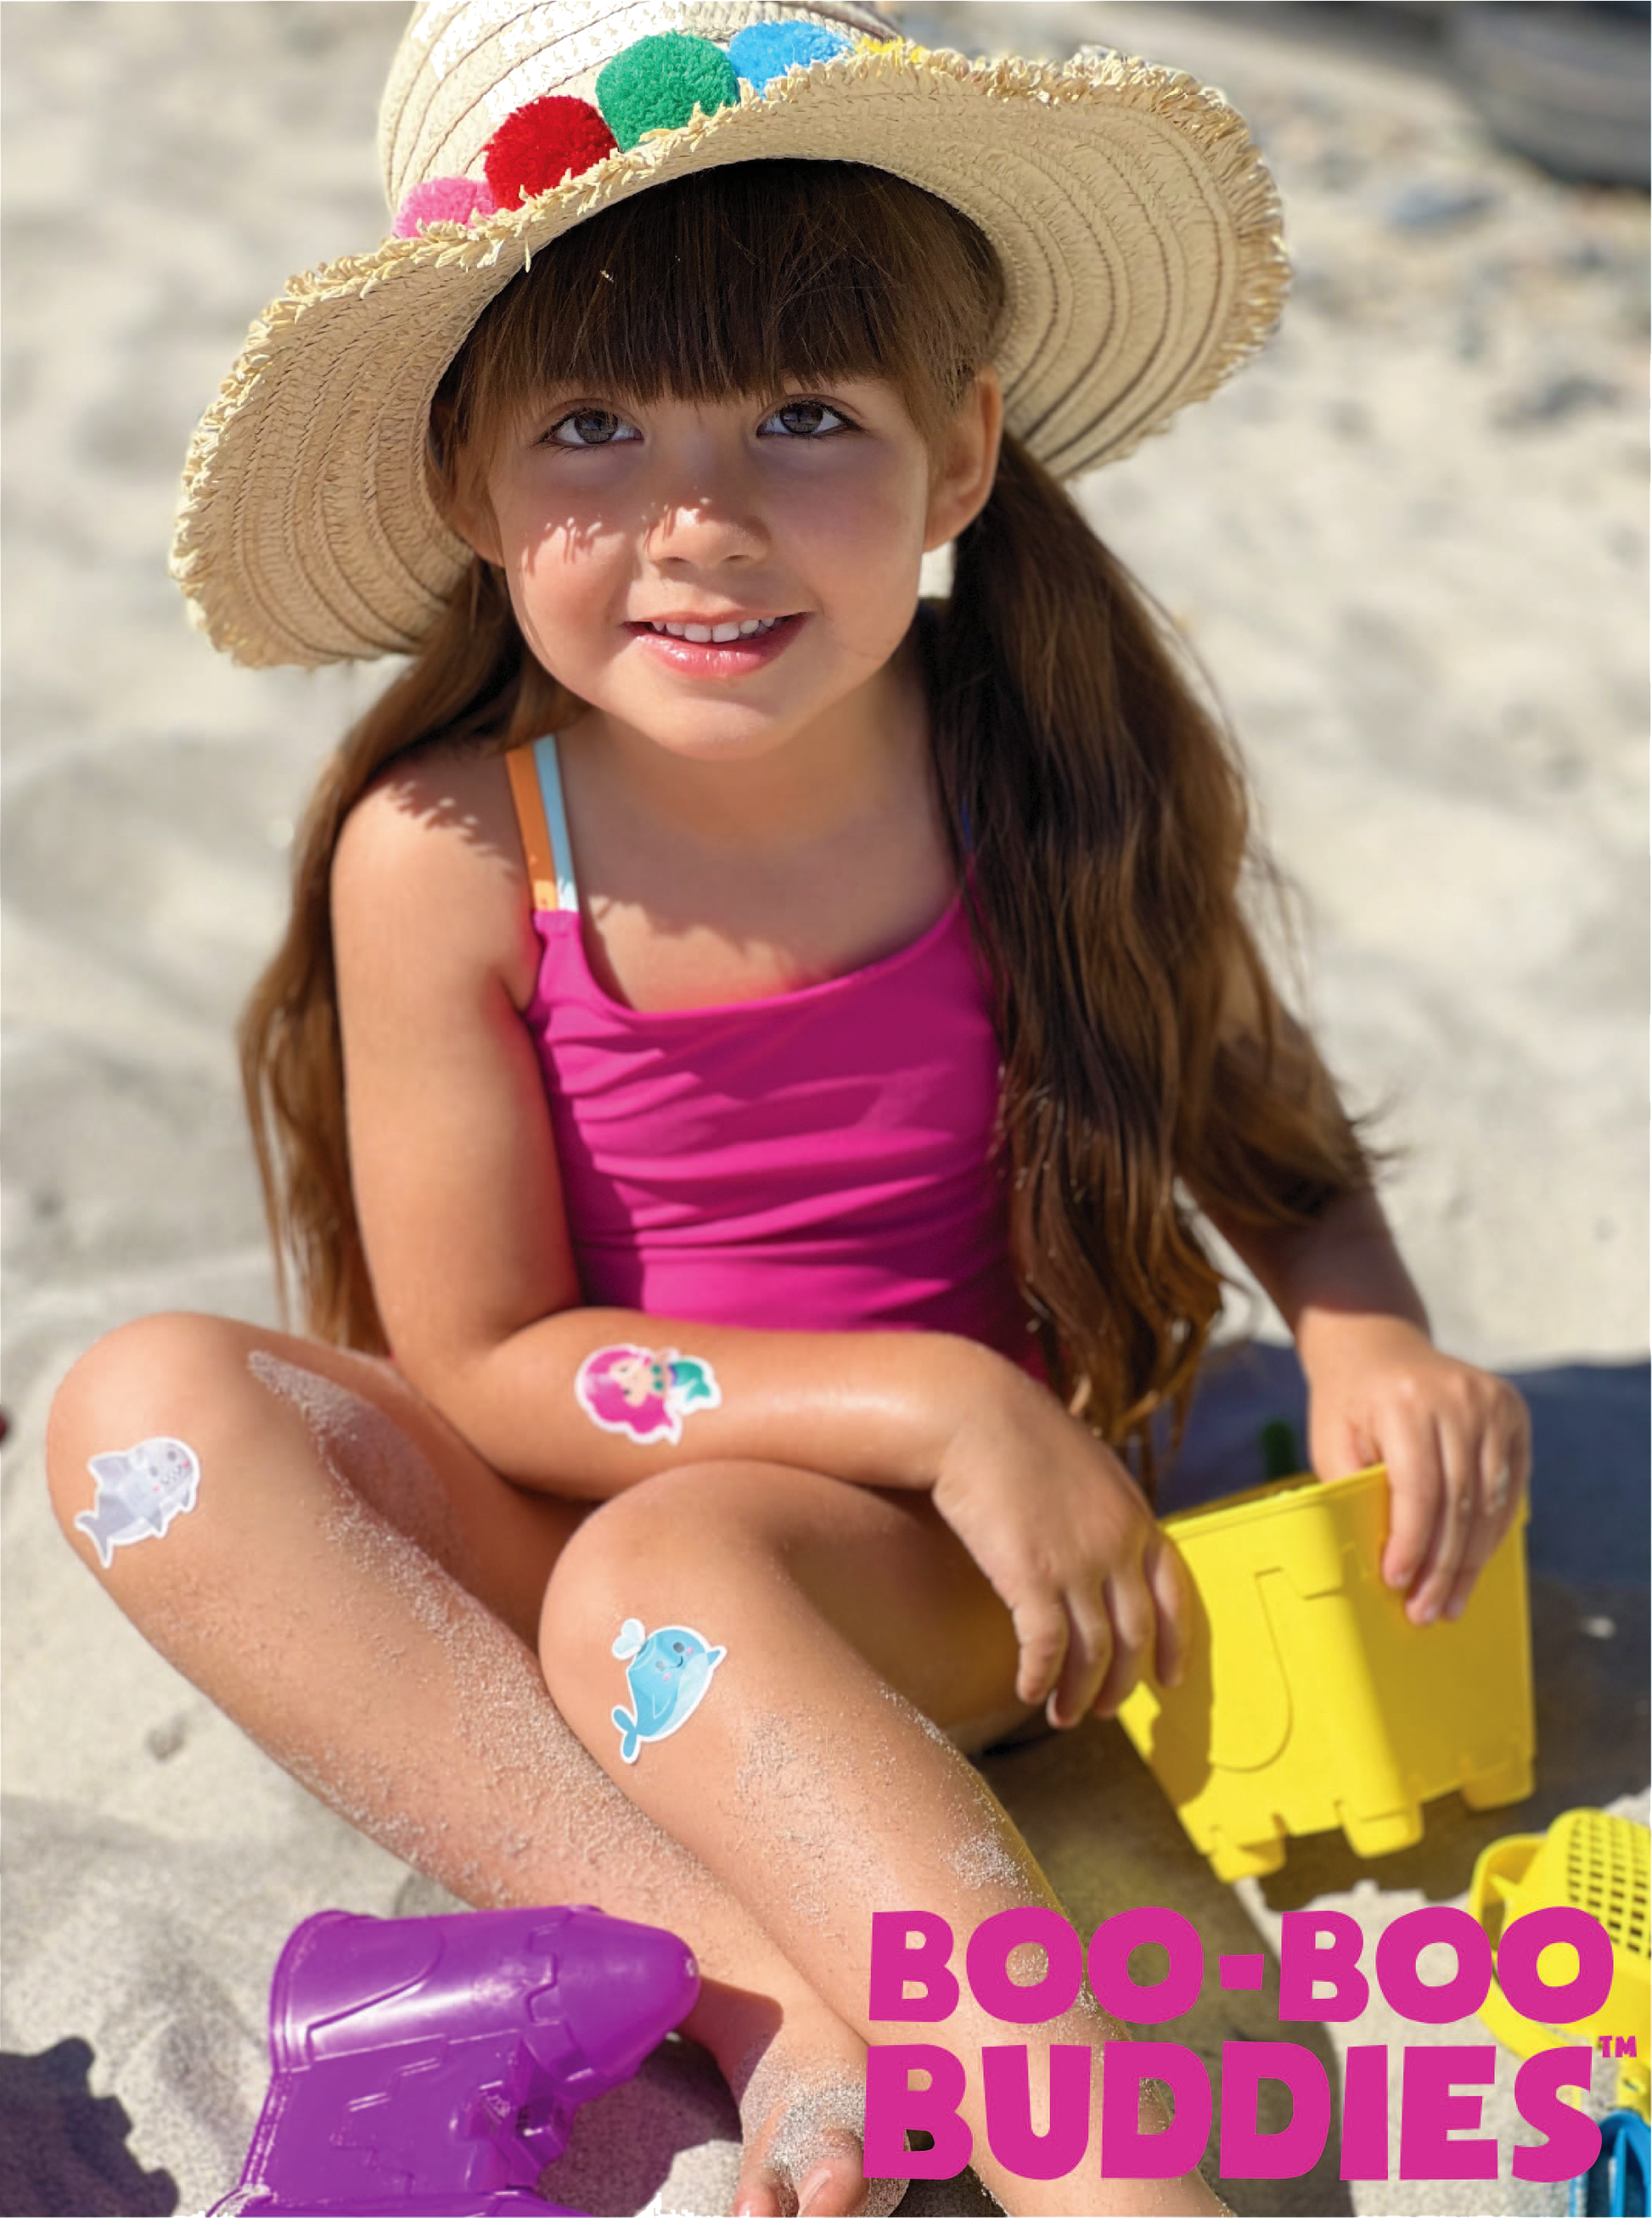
point(1137, 228)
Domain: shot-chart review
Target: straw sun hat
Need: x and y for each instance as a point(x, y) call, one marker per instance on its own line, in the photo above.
point(1136, 225)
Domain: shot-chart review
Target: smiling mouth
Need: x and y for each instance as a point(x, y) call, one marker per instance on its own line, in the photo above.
point(716, 635)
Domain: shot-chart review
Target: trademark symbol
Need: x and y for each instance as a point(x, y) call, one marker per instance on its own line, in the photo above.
point(1617, 2044)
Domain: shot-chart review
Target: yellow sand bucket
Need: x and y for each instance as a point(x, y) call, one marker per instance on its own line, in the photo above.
point(1310, 1701)
point(1587, 1860)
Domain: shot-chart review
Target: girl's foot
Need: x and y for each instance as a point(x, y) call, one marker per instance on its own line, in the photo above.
point(798, 2075)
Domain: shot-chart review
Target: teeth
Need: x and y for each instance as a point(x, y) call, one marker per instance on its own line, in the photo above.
point(720, 633)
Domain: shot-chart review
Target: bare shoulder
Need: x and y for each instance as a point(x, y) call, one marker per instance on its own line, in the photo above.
point(429, 866)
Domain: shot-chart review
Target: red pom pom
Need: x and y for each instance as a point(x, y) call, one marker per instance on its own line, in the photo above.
point(550, 139)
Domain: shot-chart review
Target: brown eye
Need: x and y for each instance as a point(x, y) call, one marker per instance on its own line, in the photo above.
point(807, 420)
point(590, 427)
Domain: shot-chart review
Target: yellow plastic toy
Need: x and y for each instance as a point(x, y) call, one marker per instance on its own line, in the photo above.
point(1587, 1860)
point(1310, 1701)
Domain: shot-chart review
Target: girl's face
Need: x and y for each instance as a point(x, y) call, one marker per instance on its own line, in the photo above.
point(721, 576)
point(639, 1378)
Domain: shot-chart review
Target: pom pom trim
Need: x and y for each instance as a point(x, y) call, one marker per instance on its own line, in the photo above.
point(541, 146)
point(443, 200)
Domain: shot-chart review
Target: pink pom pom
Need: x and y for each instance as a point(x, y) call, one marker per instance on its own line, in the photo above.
point(443, 200)
point(550, 139)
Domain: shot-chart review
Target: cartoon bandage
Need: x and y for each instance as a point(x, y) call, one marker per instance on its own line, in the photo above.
point(644, 1392)
point(669, 1674)
point(140, 1491)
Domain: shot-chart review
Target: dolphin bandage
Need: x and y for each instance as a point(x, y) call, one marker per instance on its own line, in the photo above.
point(669, 1674)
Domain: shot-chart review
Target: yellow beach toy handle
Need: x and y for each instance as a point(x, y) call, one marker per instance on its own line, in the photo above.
point(1499, 1871)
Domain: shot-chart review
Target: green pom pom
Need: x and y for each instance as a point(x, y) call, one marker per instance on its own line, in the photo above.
point(657, 83)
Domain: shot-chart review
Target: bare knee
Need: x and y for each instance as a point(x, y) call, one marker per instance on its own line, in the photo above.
point(181, 1408)
point(600, 1564)
point(133, 1387)
point(658, 1553)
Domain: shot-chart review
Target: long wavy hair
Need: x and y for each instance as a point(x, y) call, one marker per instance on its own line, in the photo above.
point(1097, 813)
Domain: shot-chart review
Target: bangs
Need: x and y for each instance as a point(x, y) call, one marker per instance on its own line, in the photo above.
point(734, 281)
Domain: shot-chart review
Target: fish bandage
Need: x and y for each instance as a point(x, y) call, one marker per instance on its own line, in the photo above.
point(140, 1491)
point(644, 1392)
point(669, 1674)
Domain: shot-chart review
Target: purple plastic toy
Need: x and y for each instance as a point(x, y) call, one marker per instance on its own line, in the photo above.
point(433, 2065)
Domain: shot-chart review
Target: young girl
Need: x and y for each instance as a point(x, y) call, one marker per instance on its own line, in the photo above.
point(736, 1084)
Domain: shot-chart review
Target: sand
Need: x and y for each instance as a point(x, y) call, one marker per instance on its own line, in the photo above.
point(1410, 545)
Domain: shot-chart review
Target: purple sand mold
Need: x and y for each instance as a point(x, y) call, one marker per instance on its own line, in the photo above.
point(433, 2065)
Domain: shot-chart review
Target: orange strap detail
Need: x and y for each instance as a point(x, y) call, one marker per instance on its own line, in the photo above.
point(530, 823)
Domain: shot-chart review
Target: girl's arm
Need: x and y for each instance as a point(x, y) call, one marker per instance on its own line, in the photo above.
point(1456, 1440)
point(459, 1195)
point(457, 1188)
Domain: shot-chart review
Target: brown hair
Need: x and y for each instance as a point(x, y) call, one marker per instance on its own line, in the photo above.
point(1097, 815)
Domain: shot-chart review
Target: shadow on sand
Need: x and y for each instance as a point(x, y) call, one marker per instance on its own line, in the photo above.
point(62, 2150)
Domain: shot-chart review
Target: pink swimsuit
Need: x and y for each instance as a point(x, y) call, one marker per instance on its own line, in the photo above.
point(819, 1161)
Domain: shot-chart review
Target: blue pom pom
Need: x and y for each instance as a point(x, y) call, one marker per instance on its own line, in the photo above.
point(763, 52)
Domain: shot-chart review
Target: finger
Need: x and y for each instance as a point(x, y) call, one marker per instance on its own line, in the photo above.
point(1416, 1484)
point(1507, 1458)
point(1337, 1448)
point(1041, 1634)
point(1090, 1654)
point(1130, 1605)
point(1504, 1467)
point(1455, 1517)
point(1172, 1593)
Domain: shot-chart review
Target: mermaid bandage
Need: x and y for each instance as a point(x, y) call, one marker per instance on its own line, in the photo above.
point(644, 1392)
point(668, 1675)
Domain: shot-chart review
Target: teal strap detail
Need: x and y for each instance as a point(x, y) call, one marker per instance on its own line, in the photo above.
point(550, 792)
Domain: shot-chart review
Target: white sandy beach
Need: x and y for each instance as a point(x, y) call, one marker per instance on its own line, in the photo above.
point(1409, 545)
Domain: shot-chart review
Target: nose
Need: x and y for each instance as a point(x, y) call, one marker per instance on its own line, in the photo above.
point(705, 533)
point(706, 515)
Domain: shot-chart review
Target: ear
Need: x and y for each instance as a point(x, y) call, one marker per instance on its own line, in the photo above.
point(472, 517)
point(967, 460)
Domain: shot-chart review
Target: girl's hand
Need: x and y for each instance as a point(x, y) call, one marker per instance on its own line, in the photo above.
point(1094, 1587)
point(1457, 1443)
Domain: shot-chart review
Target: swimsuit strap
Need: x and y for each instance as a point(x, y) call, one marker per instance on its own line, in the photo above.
point(536, 793)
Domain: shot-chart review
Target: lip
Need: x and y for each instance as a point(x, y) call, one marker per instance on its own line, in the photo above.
point(694, 658)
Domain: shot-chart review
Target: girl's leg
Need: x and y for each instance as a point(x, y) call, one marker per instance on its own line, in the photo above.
point(359, 1592)
point(812, 1774)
